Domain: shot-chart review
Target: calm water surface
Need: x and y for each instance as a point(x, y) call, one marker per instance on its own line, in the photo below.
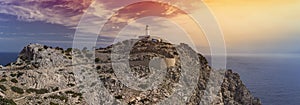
point(274, 79)
point(6, 58)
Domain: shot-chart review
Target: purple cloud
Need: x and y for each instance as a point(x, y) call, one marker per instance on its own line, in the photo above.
point(65, 12)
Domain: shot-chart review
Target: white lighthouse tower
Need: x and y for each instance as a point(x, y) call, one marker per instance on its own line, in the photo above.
point(147, 30)
point(148, 36)
point(147, 33)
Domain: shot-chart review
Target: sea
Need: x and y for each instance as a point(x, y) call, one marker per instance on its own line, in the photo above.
point(8, 57)
point(275, 79)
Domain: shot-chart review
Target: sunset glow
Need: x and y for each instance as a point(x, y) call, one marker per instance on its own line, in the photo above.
point(270, 24)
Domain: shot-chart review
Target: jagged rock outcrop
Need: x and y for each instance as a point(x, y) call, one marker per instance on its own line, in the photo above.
point(45, 75)
point(41, 56)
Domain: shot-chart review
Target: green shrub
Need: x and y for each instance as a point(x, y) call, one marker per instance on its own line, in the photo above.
point(37, 91)
point(19, 74)
point(74, 94)
point(30, 90)
point(71, 73)
point(4, 101)
point(2, 87)
point(17, 90)
point(46, 47)
point(68, 50)
point(52, 103)
point(62, 98)
point(71, 84)
point(55, 89)
point(77, 94)
point(68, 54)
point(69, 92)
point(14, 80)
point(97, 60)
point(98, 67)
point(41, 91)
point(3, 80)
point(13, 75)
point(58, 48)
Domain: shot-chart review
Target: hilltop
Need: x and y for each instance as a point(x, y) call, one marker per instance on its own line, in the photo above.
point(46, 75)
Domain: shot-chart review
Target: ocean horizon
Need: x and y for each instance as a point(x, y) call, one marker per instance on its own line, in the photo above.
point(273, 78)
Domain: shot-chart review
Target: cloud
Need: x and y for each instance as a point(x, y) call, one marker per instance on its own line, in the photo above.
point(70, 12)
point(135, 11)
point(67, 12)
point(64, 12)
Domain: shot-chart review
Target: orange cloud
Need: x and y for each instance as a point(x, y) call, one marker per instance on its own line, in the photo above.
point(252, 24)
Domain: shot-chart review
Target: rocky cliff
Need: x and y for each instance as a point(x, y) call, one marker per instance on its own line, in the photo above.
point(46, 75)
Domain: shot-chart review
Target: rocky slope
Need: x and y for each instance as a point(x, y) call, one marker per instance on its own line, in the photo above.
point(46, 75)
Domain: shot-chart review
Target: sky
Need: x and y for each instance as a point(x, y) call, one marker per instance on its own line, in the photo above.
point(248, 26)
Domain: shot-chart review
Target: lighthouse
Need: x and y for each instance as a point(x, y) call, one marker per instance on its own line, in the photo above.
point(147, 30)
point(148, 36)
point(147, 33)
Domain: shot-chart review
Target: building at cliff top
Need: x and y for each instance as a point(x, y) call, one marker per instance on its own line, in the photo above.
point(150, 37)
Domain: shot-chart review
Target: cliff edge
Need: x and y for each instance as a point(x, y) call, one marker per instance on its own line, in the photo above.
point(45, 75)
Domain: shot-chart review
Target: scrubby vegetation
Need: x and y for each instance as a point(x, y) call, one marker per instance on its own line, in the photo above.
point(74, 94)
point(19, 74)
point(98, 67)
point(55, 89)
point(37, 91)
point(17, 90)
point(3, 80)
point(58, 48)
point(71, 84)
point(13, 75)
point(97, 60)
point(46, 47)
point(68, 50)
point(2, 87)
point(62, 98)
point(14, 80)
point(52, 103)
point(4, 101)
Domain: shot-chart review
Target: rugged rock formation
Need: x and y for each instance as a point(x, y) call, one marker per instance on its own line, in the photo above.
point(41, 56)
point(45, 75)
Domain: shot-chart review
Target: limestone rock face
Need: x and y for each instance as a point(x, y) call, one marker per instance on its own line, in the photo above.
point(234, 92)
point(45, 75)
point(41, 56)
point(41, 86)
